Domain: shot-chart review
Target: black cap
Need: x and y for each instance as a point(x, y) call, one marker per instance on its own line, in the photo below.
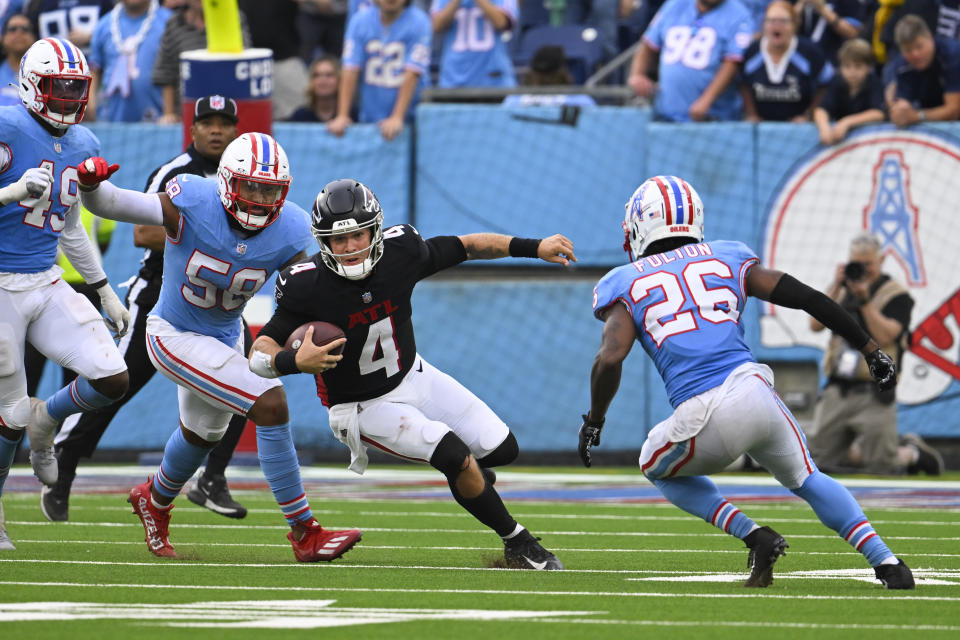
point(215, 106)
point(547, 58)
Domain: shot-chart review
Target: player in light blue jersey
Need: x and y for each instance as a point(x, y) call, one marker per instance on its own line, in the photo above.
point(225, 237)
point(474, 55)
point(683, 299)
point(40, 147)
point(390, 46)
point(700, 44)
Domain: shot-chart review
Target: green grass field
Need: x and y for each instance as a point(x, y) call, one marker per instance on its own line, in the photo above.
point(421, 569)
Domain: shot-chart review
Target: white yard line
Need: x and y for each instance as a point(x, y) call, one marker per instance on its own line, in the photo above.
point(403, 547)
point(746, 595)
point(539, 531)
point(380, 476)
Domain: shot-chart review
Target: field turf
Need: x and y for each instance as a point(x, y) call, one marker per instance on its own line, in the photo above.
point(635, 565)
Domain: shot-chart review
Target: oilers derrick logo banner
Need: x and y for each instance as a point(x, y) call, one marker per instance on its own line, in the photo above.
point(903, 187)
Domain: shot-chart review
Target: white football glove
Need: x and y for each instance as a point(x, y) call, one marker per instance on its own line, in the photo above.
point(34, 182)
point(118, 318)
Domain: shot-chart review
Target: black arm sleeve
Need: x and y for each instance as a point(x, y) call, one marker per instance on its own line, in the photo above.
point(793, 294)
point(445, 252)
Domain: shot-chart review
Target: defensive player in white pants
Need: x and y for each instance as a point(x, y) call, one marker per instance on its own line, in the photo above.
point(682, 299)
point(225, 237)
point(41, 144)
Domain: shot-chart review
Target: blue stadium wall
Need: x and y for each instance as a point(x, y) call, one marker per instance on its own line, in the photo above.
point(525, 346)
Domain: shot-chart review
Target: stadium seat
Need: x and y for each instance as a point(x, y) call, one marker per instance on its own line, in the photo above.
point(581, 46)
point(533, 13)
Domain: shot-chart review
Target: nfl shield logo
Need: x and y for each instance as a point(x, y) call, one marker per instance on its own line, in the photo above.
point(367, 297)
point(56, 147)
point(241, 248)
point(218, 102)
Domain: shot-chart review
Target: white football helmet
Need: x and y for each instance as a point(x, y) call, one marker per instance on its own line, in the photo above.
point(253, 180)
point(661, 207)
point(55, 81)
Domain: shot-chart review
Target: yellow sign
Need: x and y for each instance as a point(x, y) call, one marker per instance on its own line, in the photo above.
point(223, 26)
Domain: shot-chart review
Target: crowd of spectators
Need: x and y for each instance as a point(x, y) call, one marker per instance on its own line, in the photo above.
point(838, 63)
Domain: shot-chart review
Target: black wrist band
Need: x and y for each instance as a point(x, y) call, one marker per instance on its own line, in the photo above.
point(99, 284)
point(285, 362)
point(524, 247)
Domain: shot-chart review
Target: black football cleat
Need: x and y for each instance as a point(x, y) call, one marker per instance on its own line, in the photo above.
point(766, 545)
point(523, 551)
point(211, 492)
point(895, 576)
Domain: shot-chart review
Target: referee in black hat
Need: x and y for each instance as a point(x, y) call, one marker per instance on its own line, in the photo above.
point(214, 127)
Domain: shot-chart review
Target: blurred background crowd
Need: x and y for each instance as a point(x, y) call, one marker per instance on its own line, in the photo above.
point(838, 63)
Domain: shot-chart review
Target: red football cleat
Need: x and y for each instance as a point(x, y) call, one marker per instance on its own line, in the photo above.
point(319, 544)
point(156, 522)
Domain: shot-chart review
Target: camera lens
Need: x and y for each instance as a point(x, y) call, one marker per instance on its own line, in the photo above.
point(854, 270)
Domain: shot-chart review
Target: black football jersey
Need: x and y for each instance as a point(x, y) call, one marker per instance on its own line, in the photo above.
point(374, 313)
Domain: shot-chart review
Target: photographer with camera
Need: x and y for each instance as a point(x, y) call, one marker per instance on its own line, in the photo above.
point(855, 424)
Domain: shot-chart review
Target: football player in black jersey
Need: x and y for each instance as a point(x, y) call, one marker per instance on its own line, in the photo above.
point(380, 392)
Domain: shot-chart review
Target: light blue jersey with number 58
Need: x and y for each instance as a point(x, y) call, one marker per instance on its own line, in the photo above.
point(210, 269)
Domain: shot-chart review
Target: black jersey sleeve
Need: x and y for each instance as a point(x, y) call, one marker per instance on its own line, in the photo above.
point(290, 312)
point(445, 252)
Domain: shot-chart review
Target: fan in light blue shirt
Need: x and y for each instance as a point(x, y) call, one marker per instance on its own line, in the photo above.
point(700, 44)
point(384, 52)
point(474, 54)
point(124, 45)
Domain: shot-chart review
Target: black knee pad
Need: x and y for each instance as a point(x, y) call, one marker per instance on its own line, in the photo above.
point(449, 455)
point(504, 454)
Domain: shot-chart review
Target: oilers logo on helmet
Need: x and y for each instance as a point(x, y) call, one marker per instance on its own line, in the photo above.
point(253, 180)
point(55, 82)
point(662, 207)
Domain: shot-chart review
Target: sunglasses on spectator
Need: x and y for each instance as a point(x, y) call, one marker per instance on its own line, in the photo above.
point(18, 27)
point(778, 20)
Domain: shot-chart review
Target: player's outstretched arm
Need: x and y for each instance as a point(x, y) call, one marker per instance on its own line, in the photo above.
point(619, 334)
point(490, 246)
point(784, 290)
point(125, 205)
point(83, 255)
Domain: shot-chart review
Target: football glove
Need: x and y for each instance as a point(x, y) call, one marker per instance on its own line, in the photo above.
point(882, 368)
point(118, 318)
point(589, 437)
point(92, 171)
point(34, 182)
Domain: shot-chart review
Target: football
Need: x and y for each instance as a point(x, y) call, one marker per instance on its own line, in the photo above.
point(323, 332)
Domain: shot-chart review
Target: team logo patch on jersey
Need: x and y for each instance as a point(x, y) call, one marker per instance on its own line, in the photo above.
point(897, 186)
